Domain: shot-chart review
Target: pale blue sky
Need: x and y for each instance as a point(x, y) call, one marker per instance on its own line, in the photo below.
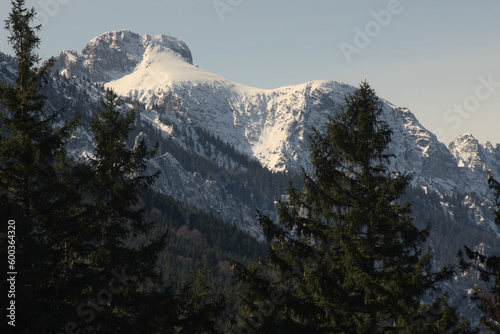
point(433, 57)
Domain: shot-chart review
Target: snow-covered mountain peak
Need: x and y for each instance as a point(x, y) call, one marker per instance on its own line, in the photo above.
point(477, 158)
point(465, 137)
point(160, 66)
point(116, 54)
point(168, 44)
point(468, 152)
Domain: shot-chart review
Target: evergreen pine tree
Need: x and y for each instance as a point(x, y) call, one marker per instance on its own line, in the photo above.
point(115, 221)
point(441, 318)
point(33, 189)
point(119, 178)
point(488, 267)
point(344, 254)
point(122, 239)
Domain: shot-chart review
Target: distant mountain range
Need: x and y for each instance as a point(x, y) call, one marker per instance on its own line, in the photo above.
point(229, 149)
point(270, 126)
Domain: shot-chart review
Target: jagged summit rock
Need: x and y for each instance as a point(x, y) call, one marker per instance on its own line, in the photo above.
point(115, 54)
point(468, 152)
point(477, 160)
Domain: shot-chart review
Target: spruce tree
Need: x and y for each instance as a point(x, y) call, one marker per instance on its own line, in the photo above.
point(343, 255)
point(487, 295)
point(33, 189)
point(117, 232)
point(119, 177)
point(122, 240)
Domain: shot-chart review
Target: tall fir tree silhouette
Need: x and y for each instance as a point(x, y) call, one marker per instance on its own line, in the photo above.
point(487, 295)
point(344, 254)
point(33, 188)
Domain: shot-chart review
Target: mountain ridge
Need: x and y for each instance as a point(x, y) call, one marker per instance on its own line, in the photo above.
point(269, 125)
